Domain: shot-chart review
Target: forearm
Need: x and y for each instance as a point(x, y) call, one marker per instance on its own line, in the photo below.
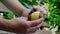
point(11, 25)
point(16, 7)
point(6, 25)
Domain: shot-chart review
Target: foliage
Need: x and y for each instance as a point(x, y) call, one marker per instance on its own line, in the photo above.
point(53, 9)
point(33, 2)
point(9, 15)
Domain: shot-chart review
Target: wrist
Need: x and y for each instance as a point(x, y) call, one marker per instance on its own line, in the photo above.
point(26, 12)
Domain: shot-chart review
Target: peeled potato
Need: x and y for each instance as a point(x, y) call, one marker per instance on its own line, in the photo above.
point(36, 15)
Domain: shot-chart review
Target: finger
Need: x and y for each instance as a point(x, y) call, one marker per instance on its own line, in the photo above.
point(41, 9)
point(35, 7)
point(31, 30)
point(36, 22)
point(21, 18)
point(34, 29)
point(38, 26)
point(24, 18)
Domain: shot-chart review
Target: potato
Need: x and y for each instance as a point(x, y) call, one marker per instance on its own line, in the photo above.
point(35, 15)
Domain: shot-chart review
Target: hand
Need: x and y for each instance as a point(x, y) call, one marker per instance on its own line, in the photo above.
point(22, 25)
point(37, 8)
point(42, 11)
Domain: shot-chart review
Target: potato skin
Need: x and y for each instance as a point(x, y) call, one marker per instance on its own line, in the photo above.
point(36, 15)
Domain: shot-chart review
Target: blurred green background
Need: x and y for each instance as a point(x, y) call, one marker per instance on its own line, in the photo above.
point(52, 7)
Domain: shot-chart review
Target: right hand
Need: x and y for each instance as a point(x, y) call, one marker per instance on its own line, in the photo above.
point(22, 25)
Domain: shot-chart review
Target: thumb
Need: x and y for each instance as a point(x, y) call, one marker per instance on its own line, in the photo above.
point(35, 7)
point(36, 22)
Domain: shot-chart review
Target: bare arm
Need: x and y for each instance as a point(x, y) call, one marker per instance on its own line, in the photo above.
point(15, 25)
point(20, 25)
point(16, 7)
point(5, 24)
